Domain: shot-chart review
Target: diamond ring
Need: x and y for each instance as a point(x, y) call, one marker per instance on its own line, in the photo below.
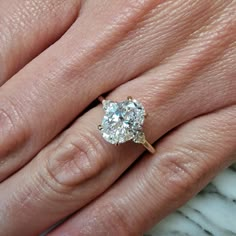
point(123, 121)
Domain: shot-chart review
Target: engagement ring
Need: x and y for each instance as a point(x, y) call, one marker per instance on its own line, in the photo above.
point(123, 121)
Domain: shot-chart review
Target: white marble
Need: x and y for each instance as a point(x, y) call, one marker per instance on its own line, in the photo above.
point(211, 213)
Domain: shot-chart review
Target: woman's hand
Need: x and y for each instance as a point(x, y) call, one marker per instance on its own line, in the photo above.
point(177, 57)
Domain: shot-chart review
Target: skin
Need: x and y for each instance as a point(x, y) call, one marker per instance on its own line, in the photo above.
point(176, 57)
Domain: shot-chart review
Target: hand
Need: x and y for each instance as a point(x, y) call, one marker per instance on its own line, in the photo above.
point(176, 57)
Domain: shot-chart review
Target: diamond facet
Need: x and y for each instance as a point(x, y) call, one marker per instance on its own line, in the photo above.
point(122, 121)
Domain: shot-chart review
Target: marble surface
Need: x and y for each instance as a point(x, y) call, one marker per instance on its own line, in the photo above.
point(211, 213)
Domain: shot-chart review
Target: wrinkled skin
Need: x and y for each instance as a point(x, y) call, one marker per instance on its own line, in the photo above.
point(56, 57)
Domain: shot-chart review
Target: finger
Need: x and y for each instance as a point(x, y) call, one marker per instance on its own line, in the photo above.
point(61, 80)
point(80, 165)
point(186, 160)
point(28, 27)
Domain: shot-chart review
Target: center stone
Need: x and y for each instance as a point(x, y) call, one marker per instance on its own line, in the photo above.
point(122, 121)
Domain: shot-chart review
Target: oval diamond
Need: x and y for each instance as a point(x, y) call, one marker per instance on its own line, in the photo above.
point(122, 120)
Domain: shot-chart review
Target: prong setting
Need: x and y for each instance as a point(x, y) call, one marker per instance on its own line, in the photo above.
point(103, 102)
point(100, 127)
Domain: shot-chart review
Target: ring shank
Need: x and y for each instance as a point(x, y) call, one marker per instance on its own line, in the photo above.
point(149, 147)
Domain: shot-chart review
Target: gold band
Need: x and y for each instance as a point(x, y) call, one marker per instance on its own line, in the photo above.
point(149, 147)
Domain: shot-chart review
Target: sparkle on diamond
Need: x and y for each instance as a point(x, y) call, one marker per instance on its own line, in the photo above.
point(122, 121)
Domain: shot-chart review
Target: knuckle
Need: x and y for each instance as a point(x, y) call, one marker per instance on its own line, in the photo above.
point(181, 170)
point(14, 130)
point(6, 119)
point(77, 159)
